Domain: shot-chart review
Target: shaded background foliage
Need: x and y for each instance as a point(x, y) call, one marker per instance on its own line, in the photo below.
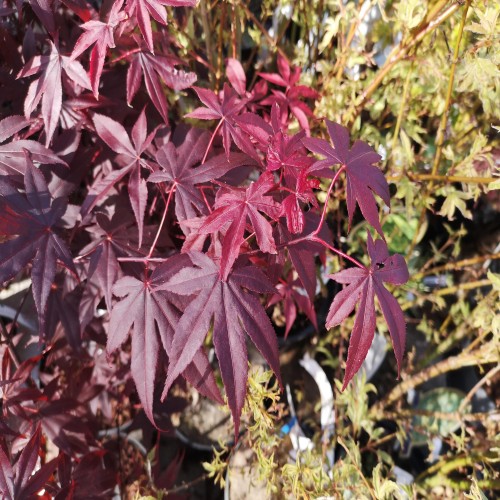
point(417, 80)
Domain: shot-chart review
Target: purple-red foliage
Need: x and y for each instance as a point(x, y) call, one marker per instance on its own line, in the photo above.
point(134, 223)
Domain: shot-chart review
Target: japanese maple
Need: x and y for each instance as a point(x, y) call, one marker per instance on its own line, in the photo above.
point(156, 220)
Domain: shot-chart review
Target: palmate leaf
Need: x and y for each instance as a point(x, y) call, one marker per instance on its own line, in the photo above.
point(363, 178)
point(101, 36)
point(225, 107)
point(363, 285)
point(289, 77)
point(154, 69)
point(48, 86)
point(232, 208)
point(18, 480)
point(12, 125)
point(116, 137)
point(147, 308)
point(290, 293)
point(177, 170)
point(233, 309)
point(35, 239)
point(13, 159)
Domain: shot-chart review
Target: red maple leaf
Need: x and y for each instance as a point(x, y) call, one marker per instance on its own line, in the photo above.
point(224, 107)
point(177, 169)
point(233, 312)
point(291, 294)
point(116, 137)
point(287, 154)
point(154, 69)
point(364, 285)
point(20, 479)
point(13, 160)
point(113, 238)
point(48, 87)
point(238, 79)
point(288, 77)
point(363, 178)
point(232, 208)
point(302, 253)
point(101, 35)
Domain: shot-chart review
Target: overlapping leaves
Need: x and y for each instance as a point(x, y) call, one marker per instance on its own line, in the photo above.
point(145, 306)
point(34, 235)
point(231, 306)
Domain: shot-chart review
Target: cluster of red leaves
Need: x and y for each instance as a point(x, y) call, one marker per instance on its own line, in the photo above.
point(133, 225)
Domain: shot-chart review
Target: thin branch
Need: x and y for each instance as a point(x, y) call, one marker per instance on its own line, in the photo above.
point(446, 179)
point(478, 386)
point(481, 356)
point(452, 266)
point(360, 472)
point(402, 107)
point(272, 42)
point(444, 116)
point(452, 290)
point(398, 53)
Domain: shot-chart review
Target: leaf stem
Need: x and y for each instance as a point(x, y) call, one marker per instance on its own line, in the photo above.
point(125, 55)
point(160, 227)
point(314, 235)
point(212, 140)
point(315, 239)
point(444, 116)
point(325, 206)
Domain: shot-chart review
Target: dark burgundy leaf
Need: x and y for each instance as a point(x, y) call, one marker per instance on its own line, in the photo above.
point(292, 295)
point(146, 308)
point(38, 480)
point(37, 240)
point(6, 476)
point(233, 312)
point(236, 76)
point(11, 125)
point(290, 99)
point(48, 87)
point(225, 108)
point(27, 460)
point(115, 136)
point(13, 159)
point(143, 9)
point(177, 169)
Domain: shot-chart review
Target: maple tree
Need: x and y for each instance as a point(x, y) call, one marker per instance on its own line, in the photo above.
point(155, 236)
